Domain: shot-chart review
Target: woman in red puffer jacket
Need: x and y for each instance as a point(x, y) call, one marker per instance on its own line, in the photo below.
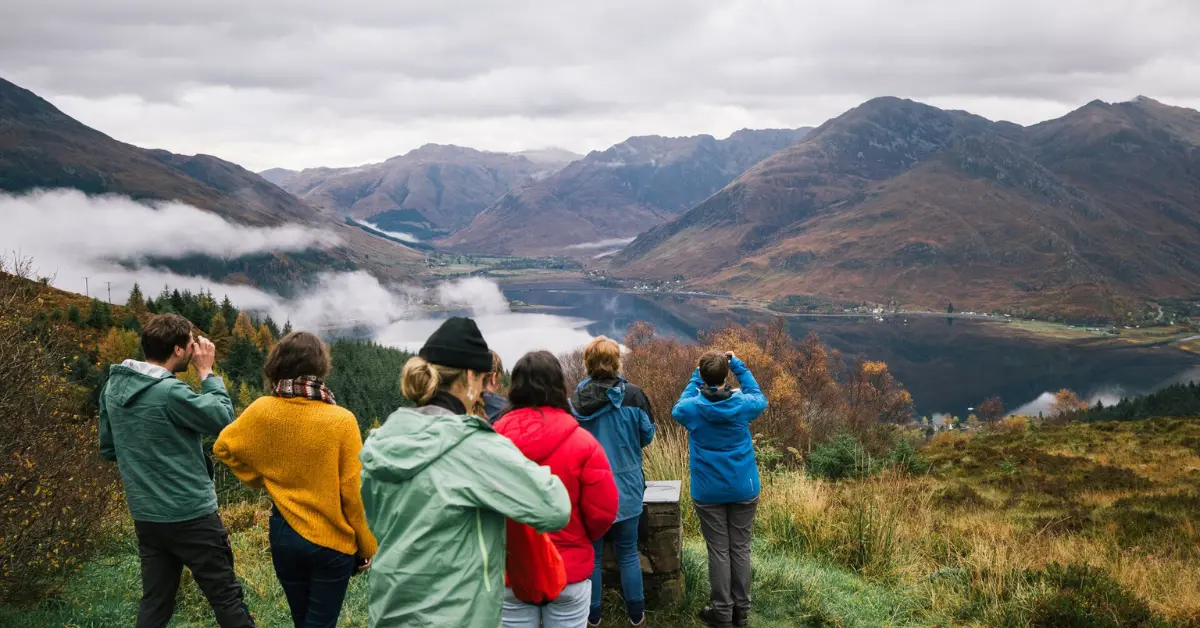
point(539, 422)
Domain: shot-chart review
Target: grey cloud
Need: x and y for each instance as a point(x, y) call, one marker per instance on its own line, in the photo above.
point(407, 69)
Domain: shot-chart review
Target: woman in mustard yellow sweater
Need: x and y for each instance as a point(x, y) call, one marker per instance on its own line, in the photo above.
point(303, 449)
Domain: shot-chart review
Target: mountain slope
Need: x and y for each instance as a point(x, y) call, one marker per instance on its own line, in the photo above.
point(41, 147)
point(899, 201)
point(438, 187)
point(616, 193)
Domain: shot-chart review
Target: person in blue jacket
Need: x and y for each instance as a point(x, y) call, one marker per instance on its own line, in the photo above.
point(724, 473)
point(618, 414)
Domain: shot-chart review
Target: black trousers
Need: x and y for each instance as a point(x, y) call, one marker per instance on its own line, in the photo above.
point(202, 545)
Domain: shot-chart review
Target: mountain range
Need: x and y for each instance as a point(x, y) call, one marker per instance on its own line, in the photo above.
point(43, 148)
point(432, 190)
point(899, 201)
point(1089, 215)
point(616, 193)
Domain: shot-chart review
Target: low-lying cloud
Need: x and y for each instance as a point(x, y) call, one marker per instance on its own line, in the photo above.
point(85, 243)
point(68, 222)
point(603, 244)
point(79, 242)
point(1108, 395)
point(399, 235)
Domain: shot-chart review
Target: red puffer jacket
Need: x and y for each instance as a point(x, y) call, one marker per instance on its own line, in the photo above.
point(552, 437)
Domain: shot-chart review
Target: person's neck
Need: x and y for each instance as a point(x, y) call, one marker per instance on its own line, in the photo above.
point(166, 365)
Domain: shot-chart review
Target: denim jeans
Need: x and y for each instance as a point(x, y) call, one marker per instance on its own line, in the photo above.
point(314, 578)
point(570, 610)
point(624, 534)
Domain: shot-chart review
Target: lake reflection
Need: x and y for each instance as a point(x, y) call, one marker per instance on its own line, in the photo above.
point(947, 367)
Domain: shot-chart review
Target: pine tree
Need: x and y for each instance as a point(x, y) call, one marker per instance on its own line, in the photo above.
point(264, 340)
point(287, 328)
point(218, 333)
point(99, 315)
point(162, 304)
point(245, 396)
point(243, 328)
point(136, 301)
point(228, 311)
point(270, 323)
point(245, 361)
point(130, 322)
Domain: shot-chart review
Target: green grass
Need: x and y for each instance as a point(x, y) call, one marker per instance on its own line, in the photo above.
point(1026, 525)
point(788, 591)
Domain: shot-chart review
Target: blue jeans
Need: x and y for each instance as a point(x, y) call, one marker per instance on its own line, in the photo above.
point(569, 610)
point(624, 534)
point(314, 578)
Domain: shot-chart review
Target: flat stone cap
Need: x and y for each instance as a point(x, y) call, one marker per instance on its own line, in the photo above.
point(662, 492)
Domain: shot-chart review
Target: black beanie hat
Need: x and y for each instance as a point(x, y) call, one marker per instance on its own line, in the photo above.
point(458, 344)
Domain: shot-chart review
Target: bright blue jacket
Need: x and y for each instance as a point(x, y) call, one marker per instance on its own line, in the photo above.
point(618, 414)
point(720, 447)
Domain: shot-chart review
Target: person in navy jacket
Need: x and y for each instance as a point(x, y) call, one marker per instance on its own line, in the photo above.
point(724, 472)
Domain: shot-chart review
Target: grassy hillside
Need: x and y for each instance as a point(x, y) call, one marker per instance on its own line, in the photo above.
point(1075, 525)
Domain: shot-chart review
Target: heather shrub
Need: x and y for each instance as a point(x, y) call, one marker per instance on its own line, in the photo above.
point(54, 489)
point(840, 458)
point(1086, 597)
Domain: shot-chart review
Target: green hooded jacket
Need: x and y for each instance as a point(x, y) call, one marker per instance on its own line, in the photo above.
point(437, 488)
point(151, 424)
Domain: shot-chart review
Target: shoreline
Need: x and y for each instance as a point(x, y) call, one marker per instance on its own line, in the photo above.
point(1175, 337)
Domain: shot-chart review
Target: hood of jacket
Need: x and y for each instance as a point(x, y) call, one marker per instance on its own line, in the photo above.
point(413, 438)
point(537, 432)
point(716, 395)
point(129, 379)
point(594, 396)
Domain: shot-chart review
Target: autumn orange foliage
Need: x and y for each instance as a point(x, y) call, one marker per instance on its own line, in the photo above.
point(813, 393)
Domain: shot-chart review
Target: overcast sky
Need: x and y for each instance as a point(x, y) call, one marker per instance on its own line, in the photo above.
point(320, 82)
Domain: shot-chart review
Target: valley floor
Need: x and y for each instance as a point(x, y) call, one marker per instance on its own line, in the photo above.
point(1019, 525)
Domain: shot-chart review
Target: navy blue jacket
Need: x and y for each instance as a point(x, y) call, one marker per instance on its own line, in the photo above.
point(720, 448)
point(493, 405)
point(618, 414)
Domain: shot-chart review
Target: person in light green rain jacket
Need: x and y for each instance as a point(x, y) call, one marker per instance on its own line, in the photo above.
point(437, 485)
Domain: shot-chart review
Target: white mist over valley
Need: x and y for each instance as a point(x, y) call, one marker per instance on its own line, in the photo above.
point(95, 244)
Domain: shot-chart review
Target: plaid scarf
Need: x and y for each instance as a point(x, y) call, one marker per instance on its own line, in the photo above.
point(308, 387)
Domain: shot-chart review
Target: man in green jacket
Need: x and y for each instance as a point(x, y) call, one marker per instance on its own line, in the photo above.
point(152, 424)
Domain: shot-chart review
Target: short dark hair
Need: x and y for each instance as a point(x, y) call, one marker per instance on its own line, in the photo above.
point(714, 368)
point(537, 382)
point(297, 355)
point(163, 333)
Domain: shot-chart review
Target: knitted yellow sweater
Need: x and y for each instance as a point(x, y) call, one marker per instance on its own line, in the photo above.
point(305, 453)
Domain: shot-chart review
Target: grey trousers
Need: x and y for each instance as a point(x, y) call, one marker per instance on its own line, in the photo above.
point(727, 529)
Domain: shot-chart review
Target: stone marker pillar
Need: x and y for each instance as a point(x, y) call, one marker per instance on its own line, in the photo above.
point(660, 546)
